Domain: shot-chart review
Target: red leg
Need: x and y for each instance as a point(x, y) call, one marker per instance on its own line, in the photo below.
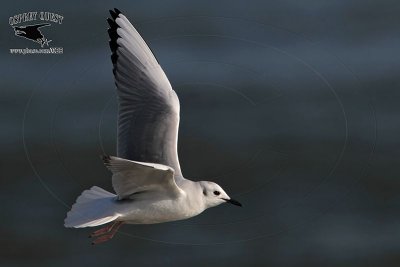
point(103, 230)
point(109, 234)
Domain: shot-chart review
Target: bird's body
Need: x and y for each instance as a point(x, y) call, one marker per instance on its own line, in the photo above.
point(147, 177)
point(151, 209)
point(155, 209)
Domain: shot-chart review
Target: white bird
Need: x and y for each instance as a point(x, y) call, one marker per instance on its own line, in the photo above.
point(146, 175)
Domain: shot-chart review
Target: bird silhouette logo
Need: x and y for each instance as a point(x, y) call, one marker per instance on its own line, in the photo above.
point(33, 33)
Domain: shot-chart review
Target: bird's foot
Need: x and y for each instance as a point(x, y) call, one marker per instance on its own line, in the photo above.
point(106, 233)
point(103, 238)
point(102, 231)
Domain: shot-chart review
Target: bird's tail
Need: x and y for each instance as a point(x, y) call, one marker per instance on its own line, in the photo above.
point(92, 208)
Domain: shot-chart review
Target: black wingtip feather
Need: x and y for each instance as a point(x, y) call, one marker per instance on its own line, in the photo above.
point(114, 58)
point(113, 14)
point(113, 34)
point(113, 24)
point(113, 46)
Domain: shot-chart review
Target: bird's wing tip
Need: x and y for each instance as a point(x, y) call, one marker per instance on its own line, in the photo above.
point(115, 13)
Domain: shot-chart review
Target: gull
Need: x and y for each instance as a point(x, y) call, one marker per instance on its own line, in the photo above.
point(146, 175)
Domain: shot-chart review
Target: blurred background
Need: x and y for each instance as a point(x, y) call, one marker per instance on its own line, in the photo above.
point(291, 106)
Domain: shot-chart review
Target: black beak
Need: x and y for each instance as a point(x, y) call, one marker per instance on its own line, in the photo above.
point(232, 201)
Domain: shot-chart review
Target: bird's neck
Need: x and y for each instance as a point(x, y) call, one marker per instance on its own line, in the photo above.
point(194, 200)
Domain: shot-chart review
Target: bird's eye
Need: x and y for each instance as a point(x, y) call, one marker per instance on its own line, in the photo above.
point(216, 193)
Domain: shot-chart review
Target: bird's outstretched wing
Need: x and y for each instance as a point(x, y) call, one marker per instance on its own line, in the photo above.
point(131, 178)
point(148, 107)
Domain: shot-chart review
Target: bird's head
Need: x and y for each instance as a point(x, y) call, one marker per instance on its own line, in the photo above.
point(20, 30)
point(214, 195)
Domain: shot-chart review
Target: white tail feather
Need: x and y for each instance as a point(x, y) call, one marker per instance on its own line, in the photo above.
point(92, 208)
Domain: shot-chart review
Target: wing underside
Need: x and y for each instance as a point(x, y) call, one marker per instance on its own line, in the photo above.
point(148, 118)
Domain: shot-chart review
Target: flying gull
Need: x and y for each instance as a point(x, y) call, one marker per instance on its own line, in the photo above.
point(146, 175)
